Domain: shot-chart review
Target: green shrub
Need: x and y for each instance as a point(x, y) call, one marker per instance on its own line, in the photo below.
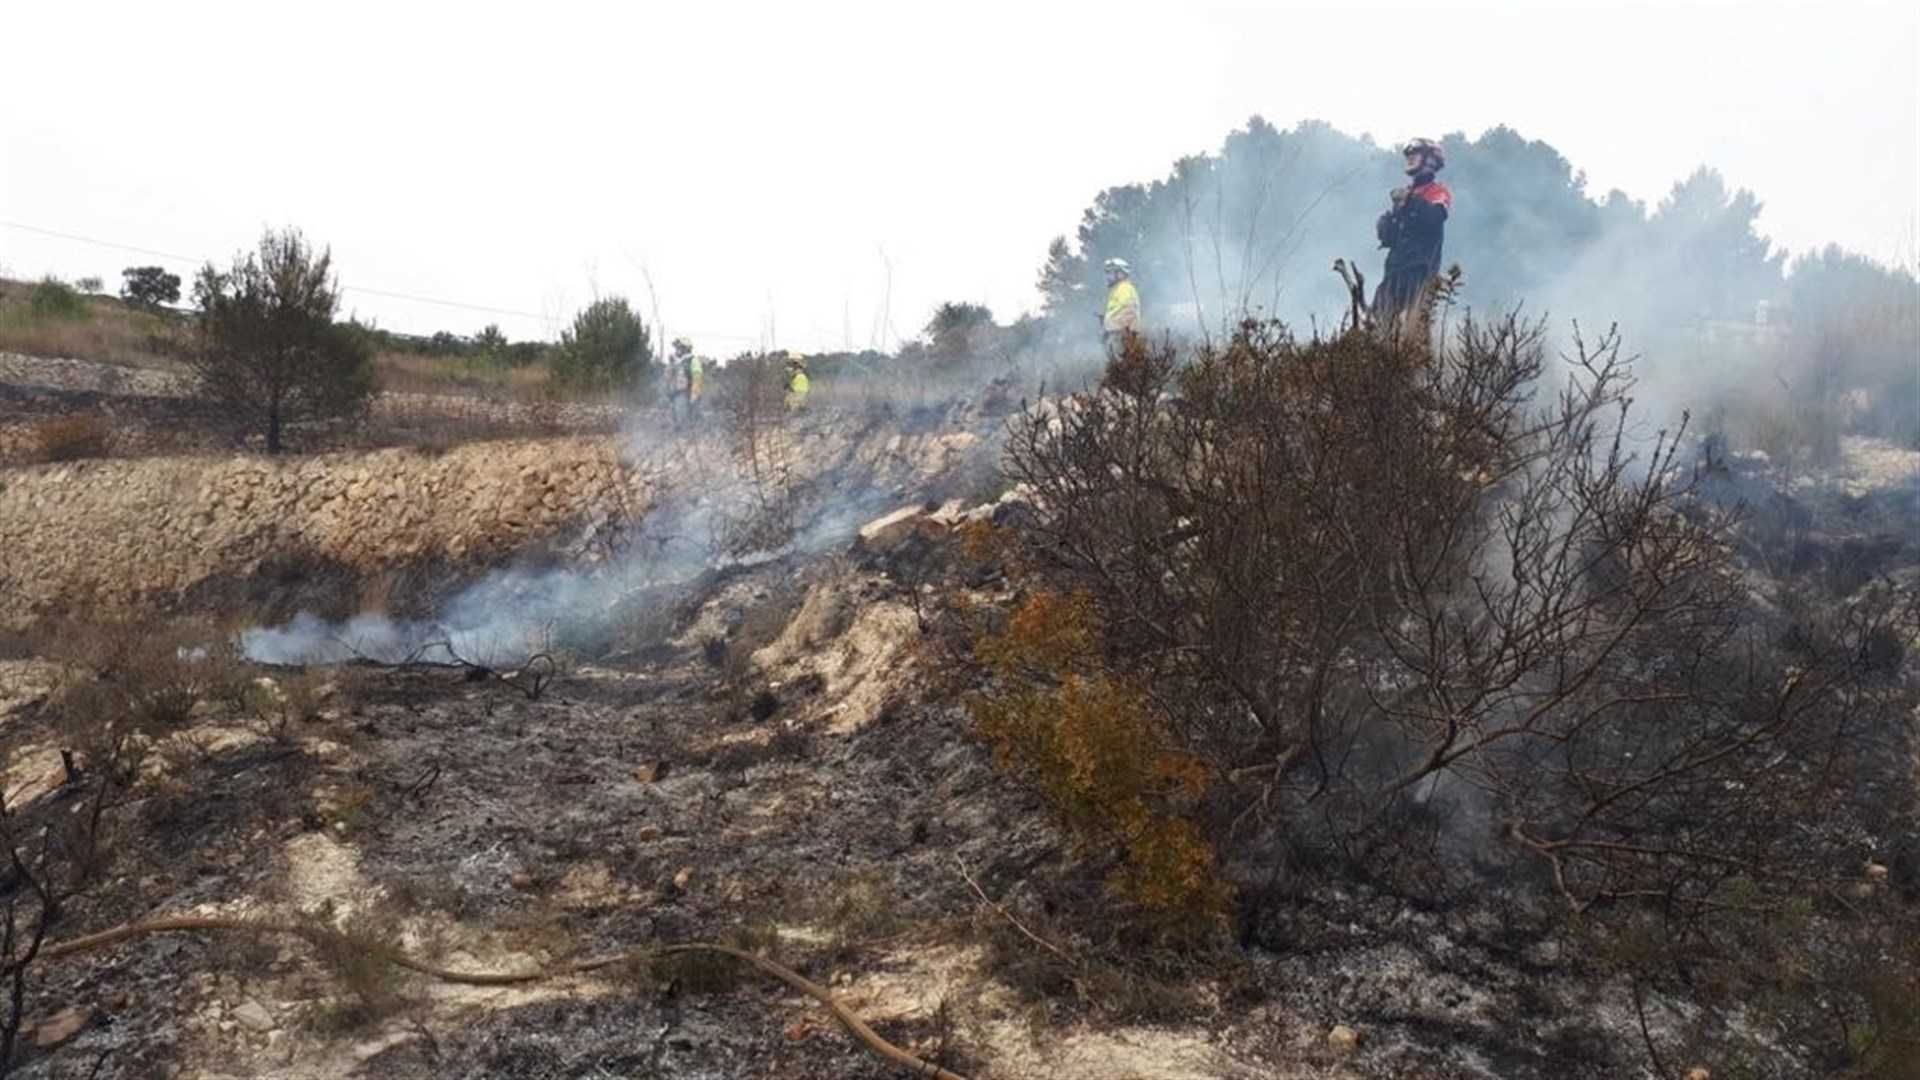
point(55, 299)
point(149, 286)
point(269, 353)
point(606, 348)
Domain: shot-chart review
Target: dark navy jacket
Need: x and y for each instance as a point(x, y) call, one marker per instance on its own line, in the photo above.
point(1414, 231)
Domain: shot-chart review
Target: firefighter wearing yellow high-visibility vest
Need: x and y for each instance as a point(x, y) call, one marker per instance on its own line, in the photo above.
point(797, 383)
point(683, 380)
point(1123, 307)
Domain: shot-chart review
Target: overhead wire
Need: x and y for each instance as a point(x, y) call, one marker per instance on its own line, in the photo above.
point(362, 289)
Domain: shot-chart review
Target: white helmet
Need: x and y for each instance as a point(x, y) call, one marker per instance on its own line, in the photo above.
point(1118, 266)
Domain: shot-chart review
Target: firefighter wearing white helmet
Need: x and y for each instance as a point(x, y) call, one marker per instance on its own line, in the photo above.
point(1413, 230)
point(680, 379)
point(689, 373)
point(1123, 306)
point(798, 385)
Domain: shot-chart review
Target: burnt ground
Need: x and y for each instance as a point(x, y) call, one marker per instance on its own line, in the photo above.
point(674, 799)
point(464, 802)
point(804, 787)
point(667, 800)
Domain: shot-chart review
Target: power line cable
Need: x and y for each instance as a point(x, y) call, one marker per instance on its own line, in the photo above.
point(177, 257)
point(191, 260)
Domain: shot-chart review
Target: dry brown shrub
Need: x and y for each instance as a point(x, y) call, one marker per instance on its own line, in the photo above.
point(1105, 761)
point(358, 953)
point(151, 673)
point(72, 438)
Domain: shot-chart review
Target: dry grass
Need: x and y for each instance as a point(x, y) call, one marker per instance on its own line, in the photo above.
point(106, 330)
point(860, 909)
point(412, 373)
point(358, 955)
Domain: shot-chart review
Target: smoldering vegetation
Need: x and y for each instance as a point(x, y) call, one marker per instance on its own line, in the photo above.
point(1321, 614)
point(748, 481)
point(1466, 696)
point(1784, 355)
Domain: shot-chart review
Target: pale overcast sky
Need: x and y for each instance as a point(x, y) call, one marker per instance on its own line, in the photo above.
point(759, 159)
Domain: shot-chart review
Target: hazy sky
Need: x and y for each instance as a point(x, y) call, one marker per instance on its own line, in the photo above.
point(767, 163)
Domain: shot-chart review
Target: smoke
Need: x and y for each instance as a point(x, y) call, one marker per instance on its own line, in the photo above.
point(1721, 324)
point(515, 612)
point(1252, 231)
point(729, 496)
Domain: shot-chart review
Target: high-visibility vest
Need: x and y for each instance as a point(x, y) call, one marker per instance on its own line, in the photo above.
point(1123, 307)
point(695, 377)
point(797, 388)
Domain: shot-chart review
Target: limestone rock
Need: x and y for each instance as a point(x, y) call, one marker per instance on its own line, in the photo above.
point(254, 1016)
point(886, 533)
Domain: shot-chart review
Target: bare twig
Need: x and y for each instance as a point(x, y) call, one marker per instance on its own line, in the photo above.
point(1646, 1034)
point(1008, 916)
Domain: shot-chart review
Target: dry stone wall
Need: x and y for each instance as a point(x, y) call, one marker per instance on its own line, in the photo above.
point(59, 373)
point(119, 536)
point(114, 536)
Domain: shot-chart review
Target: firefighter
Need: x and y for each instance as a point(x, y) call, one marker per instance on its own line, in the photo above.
point(680, 380)
point(695, 375)
point(1123, 307)
point(1412, 230)
point(797, 382)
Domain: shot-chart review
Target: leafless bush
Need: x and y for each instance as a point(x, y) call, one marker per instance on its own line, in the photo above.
point(752, 402)
point(1411, 616)
point(126, 689)
point(33, 906)
point(129, 684)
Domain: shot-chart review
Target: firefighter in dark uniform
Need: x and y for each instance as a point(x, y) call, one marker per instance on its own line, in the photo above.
point(1413, 231)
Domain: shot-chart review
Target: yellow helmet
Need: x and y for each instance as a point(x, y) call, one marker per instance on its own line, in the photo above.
point(797, 359)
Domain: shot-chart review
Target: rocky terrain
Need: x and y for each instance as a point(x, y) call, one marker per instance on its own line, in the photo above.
point(765, 749)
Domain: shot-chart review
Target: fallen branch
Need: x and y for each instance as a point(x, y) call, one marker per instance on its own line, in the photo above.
point(531, 678)
point(314, 934)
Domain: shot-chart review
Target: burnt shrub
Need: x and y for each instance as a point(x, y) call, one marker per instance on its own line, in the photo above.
point(1438, 614)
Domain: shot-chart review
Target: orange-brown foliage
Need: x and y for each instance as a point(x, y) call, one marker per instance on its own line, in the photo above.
point(1098, 752)
point(71, 438)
